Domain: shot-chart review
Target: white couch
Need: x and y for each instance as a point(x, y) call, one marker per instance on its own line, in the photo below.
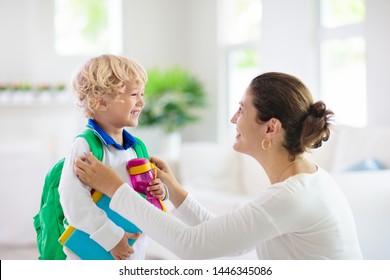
point(223, 179)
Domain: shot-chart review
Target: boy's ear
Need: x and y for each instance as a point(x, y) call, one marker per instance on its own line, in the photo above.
point(102, 105)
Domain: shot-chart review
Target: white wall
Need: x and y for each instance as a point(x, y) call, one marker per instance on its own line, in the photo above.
point(156, 33)
point(176, 32)
point(288, 42)
point(378, 61)
point(163, 33)
point(27, 44)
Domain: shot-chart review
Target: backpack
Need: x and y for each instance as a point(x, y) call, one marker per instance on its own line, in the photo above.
point(49, 221)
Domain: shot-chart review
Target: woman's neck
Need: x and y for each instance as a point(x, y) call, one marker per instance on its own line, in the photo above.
point(279, 167)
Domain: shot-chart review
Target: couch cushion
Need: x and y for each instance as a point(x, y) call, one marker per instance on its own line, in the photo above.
point(357, 144)
point(365, 165)
point(368, 194)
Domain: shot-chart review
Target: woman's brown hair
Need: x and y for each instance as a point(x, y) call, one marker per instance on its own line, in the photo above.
point(286, 98)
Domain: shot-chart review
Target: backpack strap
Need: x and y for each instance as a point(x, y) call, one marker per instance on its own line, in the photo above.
point(140, 149)
point(94, 142)
point(96, 145)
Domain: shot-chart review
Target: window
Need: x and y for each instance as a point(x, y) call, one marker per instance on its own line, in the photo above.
point(336, 13)
point(342, 60)
point(88, 27)
point(241, 22)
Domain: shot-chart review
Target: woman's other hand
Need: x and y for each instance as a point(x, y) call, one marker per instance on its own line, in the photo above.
point(177, 193)
point(163, 170)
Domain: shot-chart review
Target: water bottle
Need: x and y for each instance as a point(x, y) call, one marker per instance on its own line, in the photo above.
point(142, 171)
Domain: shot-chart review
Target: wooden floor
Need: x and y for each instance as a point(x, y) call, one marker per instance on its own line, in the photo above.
point(28, 252)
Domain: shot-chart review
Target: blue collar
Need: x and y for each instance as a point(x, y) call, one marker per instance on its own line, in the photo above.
point(128, 139)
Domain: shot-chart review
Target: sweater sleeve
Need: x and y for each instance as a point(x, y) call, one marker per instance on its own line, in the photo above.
point(80, 210)
point(191, 212)
point(219, 236)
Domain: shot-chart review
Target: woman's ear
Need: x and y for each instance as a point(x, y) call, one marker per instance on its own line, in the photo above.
point(274, 126)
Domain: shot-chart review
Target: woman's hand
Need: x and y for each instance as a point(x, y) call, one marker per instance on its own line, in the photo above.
point(98, 176)
point(176, 192)
point(163, 170)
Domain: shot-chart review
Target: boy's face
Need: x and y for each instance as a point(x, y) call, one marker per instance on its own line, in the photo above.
point(126, 108)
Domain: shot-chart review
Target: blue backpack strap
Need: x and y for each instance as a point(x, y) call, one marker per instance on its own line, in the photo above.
point(140, 149)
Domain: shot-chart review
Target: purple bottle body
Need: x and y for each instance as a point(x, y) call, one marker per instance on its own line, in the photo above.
point(141, 173)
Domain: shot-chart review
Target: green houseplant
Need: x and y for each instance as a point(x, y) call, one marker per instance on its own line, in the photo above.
point(171, 96)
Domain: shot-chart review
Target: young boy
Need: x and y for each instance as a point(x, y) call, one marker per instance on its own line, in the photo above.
point(110, 90)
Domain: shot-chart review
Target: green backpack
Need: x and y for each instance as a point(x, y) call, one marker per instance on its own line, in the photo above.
point(49, 221)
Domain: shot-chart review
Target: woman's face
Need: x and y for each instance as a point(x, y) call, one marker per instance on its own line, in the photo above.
point(249, 133)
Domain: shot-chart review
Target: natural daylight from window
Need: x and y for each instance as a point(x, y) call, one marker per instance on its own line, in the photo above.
point(88, 27)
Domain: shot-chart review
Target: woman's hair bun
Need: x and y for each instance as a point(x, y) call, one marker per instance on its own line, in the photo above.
point(318, 109)
point(316, 128)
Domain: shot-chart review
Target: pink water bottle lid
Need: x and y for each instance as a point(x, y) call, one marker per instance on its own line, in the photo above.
point(136, 162)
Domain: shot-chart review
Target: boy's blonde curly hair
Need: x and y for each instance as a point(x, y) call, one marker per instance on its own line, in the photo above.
point(103, 78)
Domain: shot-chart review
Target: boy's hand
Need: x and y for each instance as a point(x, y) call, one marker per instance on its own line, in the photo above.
point(157, 189)
point(123, 250)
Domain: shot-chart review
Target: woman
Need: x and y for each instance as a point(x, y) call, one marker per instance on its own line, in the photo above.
point(301, 215)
